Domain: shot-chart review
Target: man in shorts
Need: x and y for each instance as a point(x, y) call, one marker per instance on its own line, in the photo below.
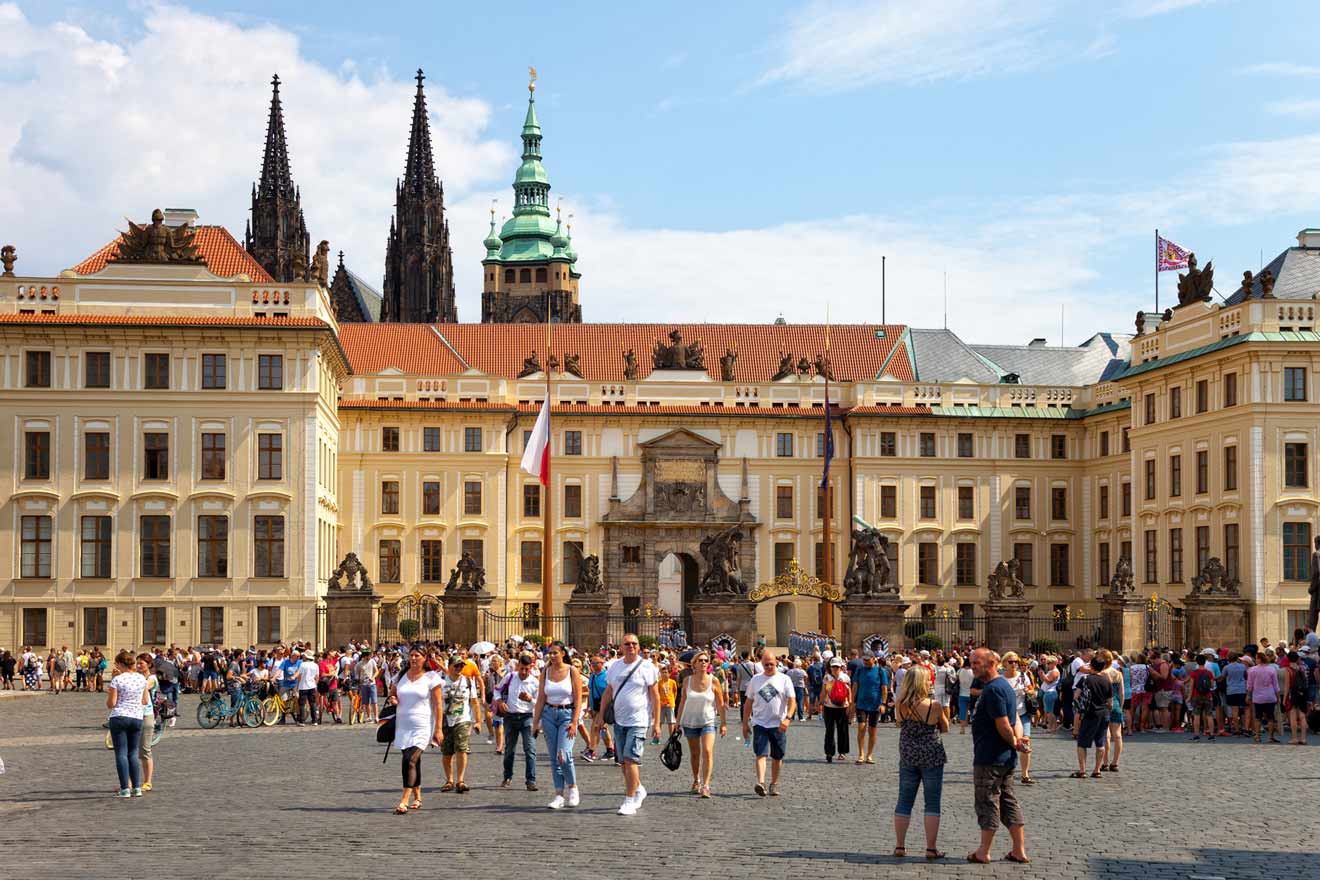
point(366, 670)
point(766, 714)
point(868, 697)
point(633, 692)
point(996, 740)
point(1201, 698)
point(460, 719)
point(596, 684)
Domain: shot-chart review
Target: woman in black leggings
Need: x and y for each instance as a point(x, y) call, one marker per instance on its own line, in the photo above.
point(418, 695)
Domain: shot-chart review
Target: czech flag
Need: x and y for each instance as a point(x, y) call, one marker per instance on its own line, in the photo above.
point(536, 457)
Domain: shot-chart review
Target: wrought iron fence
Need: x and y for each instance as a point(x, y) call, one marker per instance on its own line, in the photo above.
point(951, 630)
point(651, 628)
point(500, 628)
point(1166, 625)
point(1069, 631)
point(415, 618)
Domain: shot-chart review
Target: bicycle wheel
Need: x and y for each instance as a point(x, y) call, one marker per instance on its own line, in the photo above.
point(271, 709)
point(252, 714)
point(209, 714)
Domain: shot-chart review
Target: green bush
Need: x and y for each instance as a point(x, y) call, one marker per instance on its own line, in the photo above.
point(408, 629)
point(928, 641)
point(648, 641)
point(1045, 646)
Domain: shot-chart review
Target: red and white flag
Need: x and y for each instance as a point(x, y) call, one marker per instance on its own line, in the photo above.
point(536, 457)
point(1168, 256)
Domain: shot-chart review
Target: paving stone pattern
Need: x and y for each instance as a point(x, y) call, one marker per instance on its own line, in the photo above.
point(316, 802)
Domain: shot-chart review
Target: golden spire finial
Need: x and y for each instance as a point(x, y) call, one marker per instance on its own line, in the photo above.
point(493, 203)
point(531, 84)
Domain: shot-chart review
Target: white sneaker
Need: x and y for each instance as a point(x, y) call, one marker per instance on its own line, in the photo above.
point(573, 797)
point(557, 803)
point(641, 795)
point(628, 807)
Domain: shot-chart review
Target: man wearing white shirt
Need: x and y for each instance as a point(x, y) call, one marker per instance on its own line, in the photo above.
point(766, 711)
point(308, 674)
point(633, 692)
point(518, 695)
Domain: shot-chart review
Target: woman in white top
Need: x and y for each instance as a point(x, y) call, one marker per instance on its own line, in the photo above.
point(701, 714)
point(125, 698)
point(1049, 691)
point(417, 693)
point(1024, 688)
point(558, 708)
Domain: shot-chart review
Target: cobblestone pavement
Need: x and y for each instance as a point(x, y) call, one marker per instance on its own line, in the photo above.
point(316, 802)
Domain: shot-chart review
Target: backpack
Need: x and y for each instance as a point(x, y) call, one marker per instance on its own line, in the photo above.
point(838, 692)
point(1202, 686)
point(1298, 686)
point(1083, 701)
point(951, 685)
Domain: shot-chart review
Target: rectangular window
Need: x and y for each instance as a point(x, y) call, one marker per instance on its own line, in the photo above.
point(1150, 479)
point(213, 371)
point(213, 456)
point(1125, 549)
point(1202, 472)
point(966, 502)
point(1058, 503)
point(1127, 499)
point(1024, 553)
point(268, 546)
point(1104, 443)
point(1296, 551)
point(213, 546)
point(476, 548)
point(430, 439)
point(1175, 555)
point(531, 499)
point(472, 498)
point(155, 456)
point(1294, 465)
point(1294, 383)
point(1230, 468)
point(390, 552)
point(529, 568)
point(889, 502)
point(888, 444)
point(927, 443)
point(821, 503)
point(34, 627)
point(154, 546)
point(36, 455)
point(94, 559)
point(1202, 395)
point(153, 625)
point(1152, 557)
point(819, 569)
point(471, 439)
point(527, 439)
point(1230, 389)
point(966, 615)
point(1022, 446)
point(820, 444)
point(433, 568)
point(37, 374)
point(156, 371)
point(784, 445)
point(927, 502)
point(96, 456)
point(928, 563)
point(783, 502)
point(783, 555)
point(1104, 502)
point(573, 502)
point(389, 496)
point(965, 445)
point(36, 549)
point(632, 554)
point(1058, 446)
point(1202, 547)
point(268, 624)
point(965, 565)
point(270, 372)
point(1059, 565)
point(1127, 440)
point(96, 626)
point(572, 443)
point(96, 369)
point(213, 625)
point(1150, 409)
point(1175, 403)
point(1022, 502)
point(1175, 476)
point(1231, 549)
point(270, 456)
point(572, 557)
point(1103, 553)
point(389, 439)
point(430, 498)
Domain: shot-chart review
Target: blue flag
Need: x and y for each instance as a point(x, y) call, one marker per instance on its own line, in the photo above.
point(829, 444)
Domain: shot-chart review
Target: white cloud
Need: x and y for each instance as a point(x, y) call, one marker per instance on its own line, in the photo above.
point(1302, 107)
point(1282, 68)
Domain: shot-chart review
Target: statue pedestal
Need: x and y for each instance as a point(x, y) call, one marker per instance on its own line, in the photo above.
point(866, 619)
point(350, 615)
point(463, 615)
point(588, 621)
point(1006, 627)
point(723, 617)
point(1216, 621)
point(1123, 623)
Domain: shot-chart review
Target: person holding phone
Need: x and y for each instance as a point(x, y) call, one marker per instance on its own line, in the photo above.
point(519, 693)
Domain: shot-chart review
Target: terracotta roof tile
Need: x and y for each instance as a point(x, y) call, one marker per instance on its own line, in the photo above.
point(224, 256)
point(856, 352)
point(362, 403)
point(890, 411)
point(76, 319)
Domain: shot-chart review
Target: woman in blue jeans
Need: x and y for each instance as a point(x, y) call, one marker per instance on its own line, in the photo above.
point(921, 758)
point(558, 708)
point(126, 699)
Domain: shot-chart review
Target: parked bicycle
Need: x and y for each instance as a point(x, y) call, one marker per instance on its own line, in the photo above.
point(215, 708)
point(276, 706)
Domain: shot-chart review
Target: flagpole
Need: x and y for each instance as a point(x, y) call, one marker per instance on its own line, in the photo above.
point(547, 553)
point(826, 612)
point(1157, 269)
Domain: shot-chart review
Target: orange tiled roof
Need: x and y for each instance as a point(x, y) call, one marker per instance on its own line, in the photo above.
point(362, 403)
point(856, 352)
point(224, 256)
point(890, 411)
point(73, 318)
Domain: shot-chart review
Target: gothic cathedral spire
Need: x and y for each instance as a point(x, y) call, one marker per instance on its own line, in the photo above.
point(419, 265)
point(277, 233)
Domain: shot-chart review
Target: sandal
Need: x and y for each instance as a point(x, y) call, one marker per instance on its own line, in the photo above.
point(900, 852)
point(933, 854)
point(870, 760)
point(448, 786)
point(1113, 768)
point(971, 857)
point(1028, 780)
point(1077, 774)
point(1095, 774)
point(1012, 858)
point(462, 788)
point(415, 805)
point(401, 809)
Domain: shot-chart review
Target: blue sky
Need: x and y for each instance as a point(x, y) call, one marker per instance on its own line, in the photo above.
point(723, 161)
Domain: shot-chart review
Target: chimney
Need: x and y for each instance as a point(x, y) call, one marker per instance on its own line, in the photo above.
point(1038, 342)
point(180, 216)
point(1309, 238)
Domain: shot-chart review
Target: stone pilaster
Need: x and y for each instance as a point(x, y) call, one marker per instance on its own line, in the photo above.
point(463, 615)
point(1123, 623)
point(350, 615)
point(1217, 621)
point(588, 621)
point(1006, 627)
point(725, 617)
point(866, 619)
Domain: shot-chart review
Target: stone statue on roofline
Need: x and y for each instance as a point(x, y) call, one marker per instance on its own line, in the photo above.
point(1195, 285)
point(785, 367)
point(678, 355)
point(157, 243)
point(531, 365)
point(573, 365)
point(726, 365)
point(319, 271)
point(630, 365)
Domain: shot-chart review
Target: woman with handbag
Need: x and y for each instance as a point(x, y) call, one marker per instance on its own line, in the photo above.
point(558, 708)
point(1025, 689)
point(418, 696)
point(701, 715)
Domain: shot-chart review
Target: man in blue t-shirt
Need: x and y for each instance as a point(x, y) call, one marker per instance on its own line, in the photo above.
point(868, 697)
point(815, 680)
point(996, 740)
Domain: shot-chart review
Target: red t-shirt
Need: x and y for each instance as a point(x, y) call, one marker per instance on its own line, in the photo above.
point(1197, 675)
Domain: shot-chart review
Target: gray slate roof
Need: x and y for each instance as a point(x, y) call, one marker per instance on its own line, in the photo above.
point(369, 299)
point(940, 356)
point(1296, 274)
point(1095, 360)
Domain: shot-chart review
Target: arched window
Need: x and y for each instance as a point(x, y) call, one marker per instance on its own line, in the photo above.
point(540, 275)
point(525, 276)
point(508, 276)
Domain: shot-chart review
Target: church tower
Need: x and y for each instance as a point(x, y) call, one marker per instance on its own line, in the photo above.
point(419, 265)
point(529, 274)
point(277, 233)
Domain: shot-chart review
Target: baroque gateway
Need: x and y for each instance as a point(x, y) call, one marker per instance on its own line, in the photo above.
point(198, 434)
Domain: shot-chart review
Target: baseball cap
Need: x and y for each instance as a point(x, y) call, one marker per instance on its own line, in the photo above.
point(867, 655)
point(837, 661)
